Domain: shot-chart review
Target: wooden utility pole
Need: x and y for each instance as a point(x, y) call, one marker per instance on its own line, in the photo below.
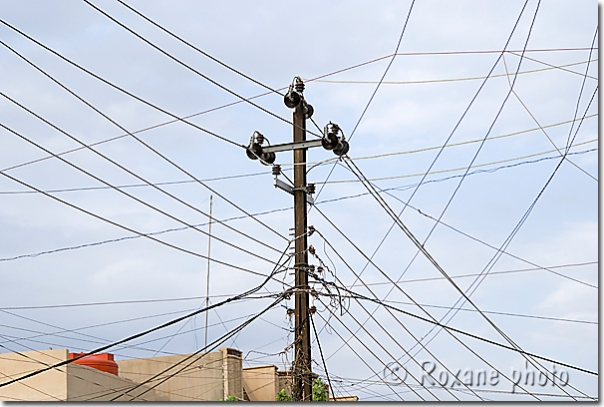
point(302, 386)
point(302, 192)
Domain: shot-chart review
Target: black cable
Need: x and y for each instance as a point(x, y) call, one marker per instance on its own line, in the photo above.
point(471, 289)
point(419, 245)
point(199, 50)
point(423, 250)
point(131, 230)
point(124, 192)
point(283, 88)
point(360, 357)
point(321, 352)
point(201, 352)
point(158, 48)
point(476, 171)
point(568, 141)
point(393, 56)
point(527, 212)
point(362, 325)
point(394, 284)
point(523, 352)
point(467, 109)
point(126, 186)
point(185, 322)
point(418, 342)
point(157, 108)
point(138, 335)
point(103, 340)
point(122, 128)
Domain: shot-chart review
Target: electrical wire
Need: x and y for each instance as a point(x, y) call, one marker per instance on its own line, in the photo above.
point(371, 316)
point(382, 190)
point(126, 186)
point(416, 82)
point(472, 288)
point(394, 153)
point(140, 334)
point(207, 78)
point(157, 108)
point(423, 250)
point(476, 94)
point(237, 247)
point(360, 357)
point(541, 127)
point(394, 285)
point(520, 351)
point(105, 157)
point(347, 181)
point(398, 44)
point(416, 242)
point(277, 91)
point(561, 68)
point(203, 351)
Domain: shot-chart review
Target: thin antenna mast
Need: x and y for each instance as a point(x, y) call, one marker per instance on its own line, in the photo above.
point(208, 273)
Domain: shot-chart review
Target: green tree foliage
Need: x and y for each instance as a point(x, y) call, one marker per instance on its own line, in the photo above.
point(319, 392)
point(230, 398)
point(283, 396)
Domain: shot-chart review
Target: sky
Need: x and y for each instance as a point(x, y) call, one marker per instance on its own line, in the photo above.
point(433, 118)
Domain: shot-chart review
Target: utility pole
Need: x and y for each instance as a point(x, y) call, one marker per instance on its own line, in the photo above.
point(302, 193)
point(302, 386)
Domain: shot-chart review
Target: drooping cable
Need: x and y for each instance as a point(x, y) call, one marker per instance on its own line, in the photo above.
point(197, 72)
point(142, 202)
point(148, 331)
point(180, 119)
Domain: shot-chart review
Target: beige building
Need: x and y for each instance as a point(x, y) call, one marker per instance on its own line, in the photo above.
point(212, 377)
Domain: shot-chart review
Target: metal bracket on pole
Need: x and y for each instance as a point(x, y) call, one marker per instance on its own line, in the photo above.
point(275, 148)
point(284, 186)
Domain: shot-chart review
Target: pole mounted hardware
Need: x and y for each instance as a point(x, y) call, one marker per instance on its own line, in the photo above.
point(255, 151)
point(333, 139)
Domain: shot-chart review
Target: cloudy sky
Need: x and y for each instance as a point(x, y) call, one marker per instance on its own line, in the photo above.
point(531, 190)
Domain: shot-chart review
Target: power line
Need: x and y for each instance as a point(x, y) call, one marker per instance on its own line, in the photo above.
point(321, 353)
point(199, 50)
point(382, 190)
point(255, 174)
point(105, 157)
point(416, 82)
point(130, 229)
point(541, 127)
point(523, 352)
point(282, 88)
point(561, 68)
point(472, 288)
point(346, 181)
point(127, 186)
point(164, 52)
point(148, 331)
point(393, 56)
point(203, 351)
point(476, 94)
point(122, 191)
point(157, 108)
point(371, 316)
point(87, 304)
point(419, 245)
point(360, 357)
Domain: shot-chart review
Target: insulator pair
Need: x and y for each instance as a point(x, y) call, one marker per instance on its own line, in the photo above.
point(331, 141)
point(294, 97)
point(254, 150)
